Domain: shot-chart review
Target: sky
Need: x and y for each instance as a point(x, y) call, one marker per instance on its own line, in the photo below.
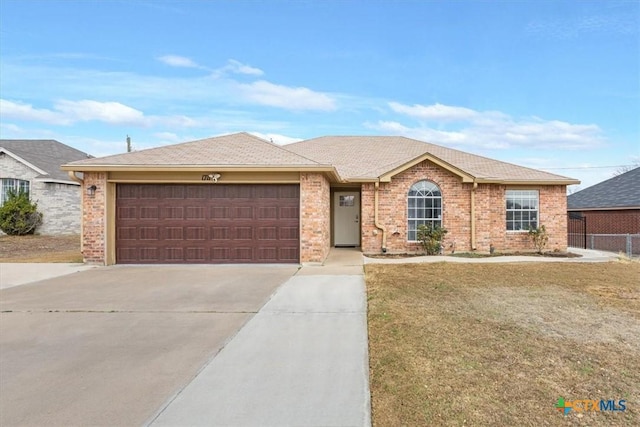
point(548, 84)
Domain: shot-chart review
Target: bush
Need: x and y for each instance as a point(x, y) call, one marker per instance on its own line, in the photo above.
point(18, 215)
point(430, 237)
point(539, 238)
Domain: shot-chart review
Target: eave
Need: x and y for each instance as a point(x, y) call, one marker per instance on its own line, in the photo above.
point(567, 181)
point(330, 171)
point(611, 208)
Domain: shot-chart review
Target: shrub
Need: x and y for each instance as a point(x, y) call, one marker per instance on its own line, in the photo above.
point(430, 237)
point(18, 215)
point(539, 238)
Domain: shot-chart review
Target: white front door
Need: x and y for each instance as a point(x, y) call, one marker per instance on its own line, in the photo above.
point(346, 229)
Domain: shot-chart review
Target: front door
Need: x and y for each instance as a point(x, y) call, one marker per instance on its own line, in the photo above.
point(346, 218)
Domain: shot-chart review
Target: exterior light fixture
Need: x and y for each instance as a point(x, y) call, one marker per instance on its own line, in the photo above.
point(91, 191)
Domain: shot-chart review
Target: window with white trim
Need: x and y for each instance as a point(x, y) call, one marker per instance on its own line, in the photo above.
point(424, 206)
point(522, 209)
point(12, 184)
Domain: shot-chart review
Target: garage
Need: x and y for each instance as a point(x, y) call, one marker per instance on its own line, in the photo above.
point(207, 223)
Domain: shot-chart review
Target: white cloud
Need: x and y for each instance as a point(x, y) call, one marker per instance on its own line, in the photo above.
point(240, 68)
point(436, 112)
point(290, 98)
point(167, 136)
point(178, 61)
point(67, 112)
point(108, 112)
point(21, 111)
point(276, 138)
point(489, 129)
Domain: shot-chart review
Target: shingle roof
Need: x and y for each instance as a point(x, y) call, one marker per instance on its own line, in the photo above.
point(45, 154)
point(369, 157)
point(354, 157)
point(239, 149)
point(622, 191)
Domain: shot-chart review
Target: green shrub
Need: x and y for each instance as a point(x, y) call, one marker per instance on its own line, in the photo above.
point(430, 237)
point(18, 215)
point(539, 237)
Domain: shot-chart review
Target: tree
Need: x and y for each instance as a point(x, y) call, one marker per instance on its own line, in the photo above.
point(18, 215)
point(627, 168)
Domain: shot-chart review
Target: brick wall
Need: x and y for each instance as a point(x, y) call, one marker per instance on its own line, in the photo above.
point(613, 222)
point(315, 217)
point(58, 203)
point(491, 218)
point(93, 217)
point(456, 213)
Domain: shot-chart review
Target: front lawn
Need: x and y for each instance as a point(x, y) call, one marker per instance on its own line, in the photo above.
point(499, 344)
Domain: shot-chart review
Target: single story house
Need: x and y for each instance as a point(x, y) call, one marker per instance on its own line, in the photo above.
point(611, 206)
point(241, 199)
point(34, 166)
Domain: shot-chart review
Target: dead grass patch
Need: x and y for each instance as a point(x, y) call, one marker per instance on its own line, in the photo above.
point(36, 248)
point(498, 344)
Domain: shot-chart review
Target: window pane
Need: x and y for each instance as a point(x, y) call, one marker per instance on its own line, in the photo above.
point(522, 209)
point(424, 205)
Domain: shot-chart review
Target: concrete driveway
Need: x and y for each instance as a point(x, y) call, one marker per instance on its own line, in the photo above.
point(109, 346)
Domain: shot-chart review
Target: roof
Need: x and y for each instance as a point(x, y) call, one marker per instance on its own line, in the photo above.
point(374, 157)
point(346, 158)
point(622, 191)
point(235, 151)
point(44, 156)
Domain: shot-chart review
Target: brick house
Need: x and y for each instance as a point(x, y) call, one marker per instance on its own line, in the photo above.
point(240, 199)
point(611, 206)
point(34, 166)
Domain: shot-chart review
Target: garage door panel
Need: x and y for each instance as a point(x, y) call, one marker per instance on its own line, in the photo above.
point(219, 223)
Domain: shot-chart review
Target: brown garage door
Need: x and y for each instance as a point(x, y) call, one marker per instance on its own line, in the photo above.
point(208, 223)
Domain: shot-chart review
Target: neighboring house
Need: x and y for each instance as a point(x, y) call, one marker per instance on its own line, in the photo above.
point(240, 199)
point(34, 166)
point(610, 207)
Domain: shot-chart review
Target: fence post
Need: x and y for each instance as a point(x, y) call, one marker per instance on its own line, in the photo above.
point(593, 243)
point(628, 246)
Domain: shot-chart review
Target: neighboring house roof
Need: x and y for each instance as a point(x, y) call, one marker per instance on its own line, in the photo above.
point(619, 192)
point(347, 158)
point(374, 157)
point(44, 156)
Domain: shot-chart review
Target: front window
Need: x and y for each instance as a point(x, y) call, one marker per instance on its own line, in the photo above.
point(522, 209)
point(11, 184)
point(424, 206)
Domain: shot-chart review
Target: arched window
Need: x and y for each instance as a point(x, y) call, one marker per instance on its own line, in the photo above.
point(424, 205)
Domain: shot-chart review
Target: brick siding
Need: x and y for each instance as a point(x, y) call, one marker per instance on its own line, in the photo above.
point(93, 217)
point(456, 214)
point(613, 222)
point(59, 203)
point(315, 217)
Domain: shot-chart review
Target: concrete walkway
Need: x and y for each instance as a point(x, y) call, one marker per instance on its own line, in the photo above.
point(587, 255)
point(302, 360)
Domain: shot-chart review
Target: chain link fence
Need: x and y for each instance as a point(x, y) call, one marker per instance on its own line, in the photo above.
point(628, 244)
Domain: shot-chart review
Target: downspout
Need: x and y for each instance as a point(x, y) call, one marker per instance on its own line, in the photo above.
point(375, 217)
point(74, 177)
point(473, 215)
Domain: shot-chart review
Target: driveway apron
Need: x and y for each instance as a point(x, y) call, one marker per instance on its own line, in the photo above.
point(301, 361)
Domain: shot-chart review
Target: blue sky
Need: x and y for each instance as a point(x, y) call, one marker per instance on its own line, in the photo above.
point(547, 84)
